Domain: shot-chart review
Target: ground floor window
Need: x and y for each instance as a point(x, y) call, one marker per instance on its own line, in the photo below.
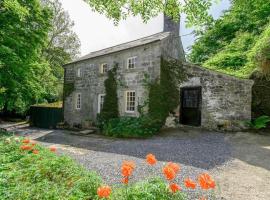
point(130, 101)
point(78, 101)
point(100, 102)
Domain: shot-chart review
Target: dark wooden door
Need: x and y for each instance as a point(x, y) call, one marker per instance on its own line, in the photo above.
point(190, 109)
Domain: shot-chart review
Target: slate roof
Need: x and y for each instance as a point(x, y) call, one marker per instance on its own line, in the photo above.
point(145, 40)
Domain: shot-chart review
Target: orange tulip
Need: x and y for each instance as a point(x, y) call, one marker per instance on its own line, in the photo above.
point(125, 180)
point(25, 141)
point(206, 182)
point(104, 191)
point(169, 173)
point(174, 166)
point(127, 168)
point(25, 147)
point(151, 159)
point(190, 183)
point(53, 149)
point(35, 151)
point(174, 187)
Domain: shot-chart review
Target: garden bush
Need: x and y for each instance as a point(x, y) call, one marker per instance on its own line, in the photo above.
point(25, 175)
point(142, 126)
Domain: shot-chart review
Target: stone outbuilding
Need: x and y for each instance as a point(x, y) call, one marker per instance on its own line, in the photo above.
point(208, 99)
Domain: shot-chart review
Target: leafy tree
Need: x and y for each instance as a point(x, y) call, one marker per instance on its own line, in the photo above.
point(63, 44)
point(196, 10)
point(225, 44)
point(25, 77)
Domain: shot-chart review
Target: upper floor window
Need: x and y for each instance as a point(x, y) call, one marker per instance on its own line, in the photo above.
point(103, 68)
point(78, 102)
point(130, 101)
point(79, 72)
point(131, 62)
point(100, 102)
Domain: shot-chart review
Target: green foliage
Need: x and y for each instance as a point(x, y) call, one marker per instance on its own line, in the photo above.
point(259, 55)
point(154, 189)
point(24, 175)
point(63, 44)
point(110, 105)
point(260, 122)
point(142, 126)
point(25, 76)
point(164, 93)
point(68, 89)
point(196, 10)
point(225, 45)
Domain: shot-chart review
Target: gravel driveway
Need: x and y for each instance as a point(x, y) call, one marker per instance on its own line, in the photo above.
point(239, 162)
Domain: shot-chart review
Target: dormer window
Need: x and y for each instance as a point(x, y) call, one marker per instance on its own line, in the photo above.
point(131, 62)
point(103, 68)
point(79, 72)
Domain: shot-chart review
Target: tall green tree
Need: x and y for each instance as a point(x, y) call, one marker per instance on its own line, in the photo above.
point(25, 77)
point(63, 43)
point(225, 44)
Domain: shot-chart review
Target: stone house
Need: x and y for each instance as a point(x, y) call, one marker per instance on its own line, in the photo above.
point(207, 99)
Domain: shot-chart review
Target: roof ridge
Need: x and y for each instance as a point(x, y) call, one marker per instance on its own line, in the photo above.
point(87, 56)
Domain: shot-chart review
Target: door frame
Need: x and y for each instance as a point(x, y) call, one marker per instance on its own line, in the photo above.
point(182, 89)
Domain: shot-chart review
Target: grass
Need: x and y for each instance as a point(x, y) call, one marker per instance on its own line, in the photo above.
point(47, 176)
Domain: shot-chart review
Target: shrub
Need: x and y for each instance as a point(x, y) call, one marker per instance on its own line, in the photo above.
point(153, 189)
point(260, 122)
point(142, 126)
point(25, 175)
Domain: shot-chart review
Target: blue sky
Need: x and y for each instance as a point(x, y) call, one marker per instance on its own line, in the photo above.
point(96, 32)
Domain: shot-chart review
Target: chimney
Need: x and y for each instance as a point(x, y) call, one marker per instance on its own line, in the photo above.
point(171, 26)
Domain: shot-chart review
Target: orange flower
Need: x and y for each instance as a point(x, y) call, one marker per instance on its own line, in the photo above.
point(125, 180)
point(26, 141)
point(35, 151)
point(25, 147)
point(206, 182)
point(33, 143)
point(202, 198)
point(174, 187)
point(104, 191)
point(151, 159)
point(127, 168)
point(174, 166)
point(190, 183)
point(53, 149)
point(169, 173)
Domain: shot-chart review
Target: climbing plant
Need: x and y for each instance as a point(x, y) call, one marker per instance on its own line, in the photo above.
point(110, 105)
point(68, 89)
point(164, 92)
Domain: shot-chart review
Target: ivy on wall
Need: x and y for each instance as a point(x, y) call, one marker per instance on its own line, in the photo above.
point(110, 105)
point(68, 89)
point(164, 92)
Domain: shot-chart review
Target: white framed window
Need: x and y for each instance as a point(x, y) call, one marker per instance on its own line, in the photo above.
point(131, 62)
point(100, 102)
point(78, 101)
point(130, 101)
point(103, 68)
point(79, 72)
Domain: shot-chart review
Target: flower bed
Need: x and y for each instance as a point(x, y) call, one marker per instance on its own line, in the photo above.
point(31, 171)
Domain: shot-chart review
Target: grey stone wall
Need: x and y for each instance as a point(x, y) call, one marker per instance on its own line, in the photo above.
point(226, 100)
point(91, 84)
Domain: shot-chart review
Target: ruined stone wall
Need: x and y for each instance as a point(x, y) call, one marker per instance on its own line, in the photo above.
point(91, 84)
point(226, 100)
